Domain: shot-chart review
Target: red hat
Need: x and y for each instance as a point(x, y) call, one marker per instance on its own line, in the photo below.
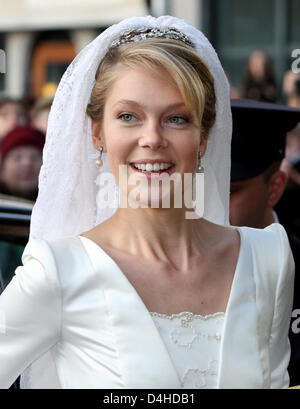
point(22, 136)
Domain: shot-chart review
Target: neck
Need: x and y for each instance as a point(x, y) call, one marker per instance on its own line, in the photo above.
point(160, 233)
point(269, 218)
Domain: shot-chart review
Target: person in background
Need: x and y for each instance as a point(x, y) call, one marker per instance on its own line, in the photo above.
point(41, 109)
point(234, 91)
point(259, 80)
point(40, 114)
point(12, 114)
point(291, 88)
point(288, 208)
point(290, 163)
point(21, 160)
point(258, 183)
point(257, 151)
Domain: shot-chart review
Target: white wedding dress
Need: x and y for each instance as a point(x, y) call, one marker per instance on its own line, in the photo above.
point(73, 318)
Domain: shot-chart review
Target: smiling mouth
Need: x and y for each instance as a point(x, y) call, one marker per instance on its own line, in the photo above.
point(156, 167)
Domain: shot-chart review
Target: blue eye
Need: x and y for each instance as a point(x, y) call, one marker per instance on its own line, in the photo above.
point(178, 120)
point(127, 117)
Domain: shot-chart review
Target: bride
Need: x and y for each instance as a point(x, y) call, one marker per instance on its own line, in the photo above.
point(131, 295)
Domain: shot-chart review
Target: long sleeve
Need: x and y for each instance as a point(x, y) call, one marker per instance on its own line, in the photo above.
point(30, 312)
point(279, 343)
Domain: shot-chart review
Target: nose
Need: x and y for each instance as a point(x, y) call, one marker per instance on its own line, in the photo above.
point(28, 162)
point(152, 136)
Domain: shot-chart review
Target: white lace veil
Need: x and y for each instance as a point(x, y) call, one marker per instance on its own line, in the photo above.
point(66, 203)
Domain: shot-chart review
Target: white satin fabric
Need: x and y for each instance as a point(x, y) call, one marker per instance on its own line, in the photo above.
point(72, 312)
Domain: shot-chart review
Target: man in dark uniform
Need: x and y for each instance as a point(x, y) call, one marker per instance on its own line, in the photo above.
point(257, 184)
point(288, 206)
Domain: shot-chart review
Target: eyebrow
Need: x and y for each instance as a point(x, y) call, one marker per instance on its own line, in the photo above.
point(142, 105)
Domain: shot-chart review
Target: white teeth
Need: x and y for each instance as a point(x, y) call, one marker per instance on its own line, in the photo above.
point(149, 167)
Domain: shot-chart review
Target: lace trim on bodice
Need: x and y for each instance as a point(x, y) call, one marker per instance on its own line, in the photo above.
point(187, 314)
point(193, 342)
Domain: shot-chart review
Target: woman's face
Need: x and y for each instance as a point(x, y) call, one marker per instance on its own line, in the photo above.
point(257, 64)
point(147, 127)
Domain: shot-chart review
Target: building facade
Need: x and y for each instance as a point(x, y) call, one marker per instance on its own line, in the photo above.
point(41, 37)
point(238, 27)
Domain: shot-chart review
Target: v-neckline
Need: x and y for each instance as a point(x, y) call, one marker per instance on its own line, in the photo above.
point(136, 334)
point(238, 229)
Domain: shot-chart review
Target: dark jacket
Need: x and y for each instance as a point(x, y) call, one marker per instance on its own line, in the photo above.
point(294, 333)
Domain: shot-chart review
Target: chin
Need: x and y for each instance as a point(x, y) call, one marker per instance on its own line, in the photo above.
point(29, 194)
point(155, 198)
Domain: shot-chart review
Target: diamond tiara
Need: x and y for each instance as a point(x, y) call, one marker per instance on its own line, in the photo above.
point(146, 33)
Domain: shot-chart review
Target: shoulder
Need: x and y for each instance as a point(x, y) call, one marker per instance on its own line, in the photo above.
point(45, 250)
point(46, 257)
point(39, 250)
point(271, 254)
point(37, 274)
point(270, 241)
point(274, 231)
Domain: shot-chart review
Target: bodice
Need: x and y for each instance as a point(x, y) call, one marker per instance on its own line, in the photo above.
point(193, 343)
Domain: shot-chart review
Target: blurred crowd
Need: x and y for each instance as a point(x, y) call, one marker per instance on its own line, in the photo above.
point(259, 83)
point(23, 125)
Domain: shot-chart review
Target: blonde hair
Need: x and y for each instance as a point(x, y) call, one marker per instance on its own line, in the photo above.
point(186, 69)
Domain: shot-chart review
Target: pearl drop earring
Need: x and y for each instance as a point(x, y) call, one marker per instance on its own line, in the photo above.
point(200, 168)
point(99, 161)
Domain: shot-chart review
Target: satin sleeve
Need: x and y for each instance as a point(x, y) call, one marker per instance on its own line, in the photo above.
point(30, 312)
point(279, 341)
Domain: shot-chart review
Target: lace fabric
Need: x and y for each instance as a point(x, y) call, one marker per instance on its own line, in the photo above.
point(193, 342)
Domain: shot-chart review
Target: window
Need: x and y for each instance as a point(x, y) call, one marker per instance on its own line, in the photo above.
point(49, 61)
point(294, 26)
point(238, 27)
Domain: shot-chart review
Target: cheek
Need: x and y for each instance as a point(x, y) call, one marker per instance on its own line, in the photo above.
point(235, 202)
point(10, 168)
point(187, 149)
point(191, 158)
point(37, 166)
point(120, 142)
point(240, 202)
point(118, 153)
point(118, 149)
point(248, 202)
point(10, 173)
